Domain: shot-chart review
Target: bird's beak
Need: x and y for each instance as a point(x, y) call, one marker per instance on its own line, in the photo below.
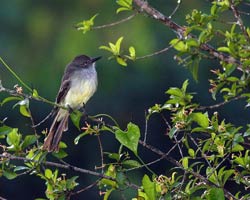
point(95, 59)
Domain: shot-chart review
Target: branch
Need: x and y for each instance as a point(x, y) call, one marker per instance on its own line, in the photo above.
point(179, 165)
point(67, 167)
point(239, 20)
point(181, 33)
point(220, 104)
point(115, 23)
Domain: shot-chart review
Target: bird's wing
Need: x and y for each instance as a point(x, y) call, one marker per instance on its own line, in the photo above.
point(63, 90)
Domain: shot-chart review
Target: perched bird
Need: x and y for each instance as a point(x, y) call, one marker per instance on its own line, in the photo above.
point(78, 84)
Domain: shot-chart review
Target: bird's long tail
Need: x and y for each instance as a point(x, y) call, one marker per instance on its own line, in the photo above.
point(59, 125)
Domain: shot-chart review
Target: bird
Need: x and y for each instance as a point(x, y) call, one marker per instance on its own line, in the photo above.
point(78, 85)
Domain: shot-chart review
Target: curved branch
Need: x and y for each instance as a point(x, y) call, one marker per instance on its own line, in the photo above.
point(181, 33)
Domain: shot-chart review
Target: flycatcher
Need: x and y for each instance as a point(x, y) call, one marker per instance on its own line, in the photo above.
point(78, 84)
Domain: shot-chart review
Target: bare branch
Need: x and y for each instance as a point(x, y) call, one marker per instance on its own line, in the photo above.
point(220, 104)
point(115, 23)
point(155, 53)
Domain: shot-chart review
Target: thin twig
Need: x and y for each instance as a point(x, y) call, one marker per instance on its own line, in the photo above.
point(146, 128)
point(86, 188)
point(199, 149)
point(176, 8)
point(220, 104)
point(101, 152)
point(155, 53)
point(44, 119)
point(154, 161)
point(116, 23)
point(239, 20)
point(33, 126)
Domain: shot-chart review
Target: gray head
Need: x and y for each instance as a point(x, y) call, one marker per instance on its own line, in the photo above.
point(84, 61)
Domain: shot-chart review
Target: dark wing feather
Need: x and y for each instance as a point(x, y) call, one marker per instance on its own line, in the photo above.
point(65, 83)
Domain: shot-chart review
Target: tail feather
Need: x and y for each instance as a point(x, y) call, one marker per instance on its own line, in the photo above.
point(59, 125)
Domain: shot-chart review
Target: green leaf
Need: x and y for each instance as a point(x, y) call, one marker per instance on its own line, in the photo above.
point(175, 92)
point(224, 49)
point(71, 183)
point(13, 138)
point(191, 152)
point(121, 61)
point(106, 48)
point(9, 174)
point(179, 45)
point(24, 111)
point(201, 119)
point(185, 162)
point(126, 5)
point(131, 163)
point(8, 99)
point(132, 52)
point(28, 140)
point(215, 194)
point(21, 168)
point(172, 132)
point(118, 45)
point(86, 25)
point(107, 194)
point(80, 136)
point(149, 187)
point(48, 173)
point(4, 130)
point(194, 67)
point(35, 93)
point(60, 154)
point(129, 138)
point(75, 118)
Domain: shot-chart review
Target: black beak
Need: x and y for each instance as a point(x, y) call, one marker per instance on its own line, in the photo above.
point(95, 59)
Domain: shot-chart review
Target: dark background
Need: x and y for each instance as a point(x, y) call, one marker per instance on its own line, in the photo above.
point(38, 39)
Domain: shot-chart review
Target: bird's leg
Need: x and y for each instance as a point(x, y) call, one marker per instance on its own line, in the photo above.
point(70, 109)
point(83, 110)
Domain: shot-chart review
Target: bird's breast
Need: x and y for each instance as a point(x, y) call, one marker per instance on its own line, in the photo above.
point(83, 86)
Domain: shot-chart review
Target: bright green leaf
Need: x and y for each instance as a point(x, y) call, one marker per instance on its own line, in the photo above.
point(185, 162)
point(201, 119)
point(75, 118)
point(48, 173)
point(191, 152)
point(8, 99)
point(215, 194)
point(132, 52)
point(149, 187)
point(121, 61)
point(129, 138)
point(35, 93)
point(24, 111)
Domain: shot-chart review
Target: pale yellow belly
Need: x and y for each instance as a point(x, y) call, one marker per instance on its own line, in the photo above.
point(79, 94)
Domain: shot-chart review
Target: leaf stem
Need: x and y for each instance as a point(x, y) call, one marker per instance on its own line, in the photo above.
point(15, 75)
